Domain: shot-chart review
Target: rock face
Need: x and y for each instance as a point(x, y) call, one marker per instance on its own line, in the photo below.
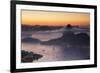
point(29, 56)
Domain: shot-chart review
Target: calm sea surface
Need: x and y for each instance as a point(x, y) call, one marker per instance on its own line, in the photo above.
point(54, 52)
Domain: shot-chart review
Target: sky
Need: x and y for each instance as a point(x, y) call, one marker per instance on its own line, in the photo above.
point(54, 18)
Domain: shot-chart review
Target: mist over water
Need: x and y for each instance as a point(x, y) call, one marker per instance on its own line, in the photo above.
point(46, 36)
point(53, 48)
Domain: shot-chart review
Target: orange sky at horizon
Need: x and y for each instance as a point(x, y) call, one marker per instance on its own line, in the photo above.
point(52, 18)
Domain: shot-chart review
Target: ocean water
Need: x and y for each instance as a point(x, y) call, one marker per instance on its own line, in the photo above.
point(54, 52)
point(57, 53)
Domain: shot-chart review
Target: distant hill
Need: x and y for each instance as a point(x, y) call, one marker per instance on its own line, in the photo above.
point(70, 38)
point(39, 28)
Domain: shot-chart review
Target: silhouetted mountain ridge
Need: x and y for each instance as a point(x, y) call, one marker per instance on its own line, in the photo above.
point(39, 28)
point(70, 38)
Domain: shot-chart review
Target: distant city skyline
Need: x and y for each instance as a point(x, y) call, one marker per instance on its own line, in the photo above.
point(51, 18)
